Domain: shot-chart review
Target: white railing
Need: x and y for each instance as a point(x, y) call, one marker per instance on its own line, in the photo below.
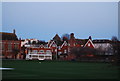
point(39, 56)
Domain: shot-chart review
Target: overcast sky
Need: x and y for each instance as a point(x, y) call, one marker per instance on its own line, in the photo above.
point(42, 20)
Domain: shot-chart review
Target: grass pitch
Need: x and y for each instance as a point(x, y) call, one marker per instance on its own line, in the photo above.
point(58, 70)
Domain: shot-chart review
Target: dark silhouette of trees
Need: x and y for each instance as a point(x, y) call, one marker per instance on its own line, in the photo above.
point(29, 42)
point(34, 42)
point(65, 37)
point(83, 52)
point(41, 42)
point(116, 50)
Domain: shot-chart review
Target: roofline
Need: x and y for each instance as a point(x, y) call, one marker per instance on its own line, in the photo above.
point(63, 44)
point(91, 43)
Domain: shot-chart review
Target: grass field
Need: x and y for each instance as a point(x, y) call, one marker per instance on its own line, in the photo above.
point(58, 70)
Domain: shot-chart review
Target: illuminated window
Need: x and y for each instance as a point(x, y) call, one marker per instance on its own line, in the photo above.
point(65, 51)
point(88, 44)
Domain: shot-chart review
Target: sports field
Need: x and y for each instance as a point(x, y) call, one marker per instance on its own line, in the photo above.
point(58, 70)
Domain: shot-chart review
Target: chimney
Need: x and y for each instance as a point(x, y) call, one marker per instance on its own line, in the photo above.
point(90, 37)
point(14, 31)
point(72, 36)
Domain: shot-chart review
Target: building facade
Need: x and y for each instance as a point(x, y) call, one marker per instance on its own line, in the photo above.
point(10, 46)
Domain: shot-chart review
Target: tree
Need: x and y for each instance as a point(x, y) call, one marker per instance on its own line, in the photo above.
point(34, 42)
point(65, 37)
point(29, 42)
point(82, 51)
point(116, 50)
point(41, 42)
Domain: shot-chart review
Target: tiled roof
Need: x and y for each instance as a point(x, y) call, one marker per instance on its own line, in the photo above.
point(56, 37)
point(102, 41)
point(81, 41)
point(8, 36)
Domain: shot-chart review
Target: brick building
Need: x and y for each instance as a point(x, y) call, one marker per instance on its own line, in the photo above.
point(9, 45)
point(61, 49)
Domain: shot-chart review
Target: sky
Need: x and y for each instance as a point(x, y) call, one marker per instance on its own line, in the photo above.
point(42, 20)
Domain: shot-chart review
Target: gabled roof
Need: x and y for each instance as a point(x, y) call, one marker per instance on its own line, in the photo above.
point(52, 44)
point(8, 36)
point(56, 37)
point(49, 42)
point(89, 41)
point(42, 46)
point(64, 44)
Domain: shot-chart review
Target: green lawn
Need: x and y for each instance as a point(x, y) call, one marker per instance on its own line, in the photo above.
point(58, 70)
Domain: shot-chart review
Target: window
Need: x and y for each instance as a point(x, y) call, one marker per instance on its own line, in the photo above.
point(53, 45)
point(16, 46)
point(34, 51)
point(9, 47)
point(41, 51)
point(65, 51)
point(59, 47)
point(88, 44)
point(48, 52)
point(0, 45)
point(68, 44)
point(59, 53)
point(74, 44)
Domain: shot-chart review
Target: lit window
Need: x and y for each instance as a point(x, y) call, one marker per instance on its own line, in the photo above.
point(88, 44)
point(65, 51)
